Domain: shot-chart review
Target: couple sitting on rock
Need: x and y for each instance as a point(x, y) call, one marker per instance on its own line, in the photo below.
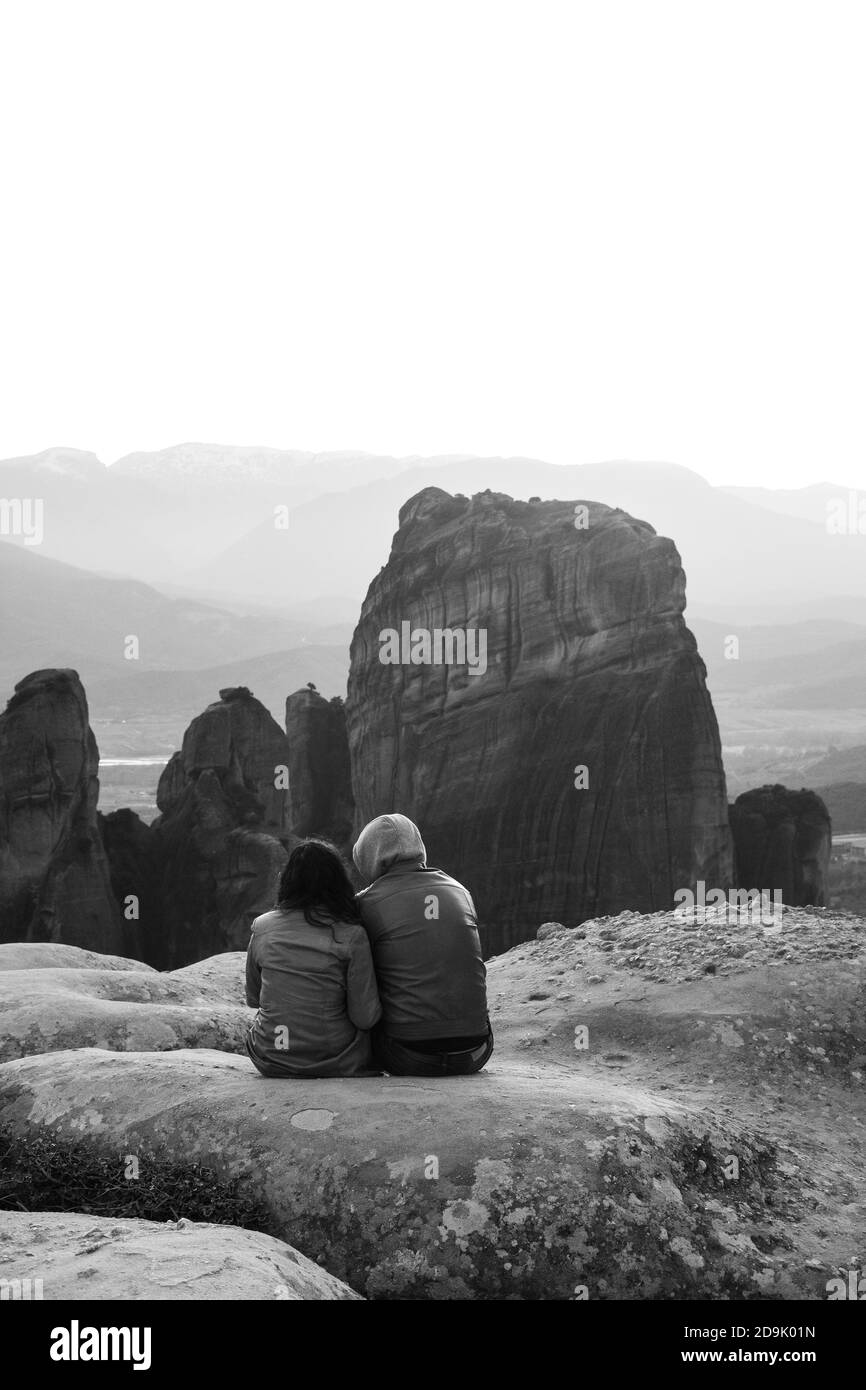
point(390, 979)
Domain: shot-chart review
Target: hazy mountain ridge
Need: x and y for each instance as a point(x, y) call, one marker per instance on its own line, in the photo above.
point(230, 466)
point(731, 550)
point(841, 765)
point(802, 664)
point(78, 465)
point(179, 547)
point(846, 802)
point(202, 516)
point(272, 676)
point(807, 503)
point(53, 613)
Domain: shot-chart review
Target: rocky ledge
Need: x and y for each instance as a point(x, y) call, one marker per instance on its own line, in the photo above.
point(647, 1128)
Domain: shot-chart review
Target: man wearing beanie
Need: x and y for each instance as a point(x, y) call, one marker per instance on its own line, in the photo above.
point(424, 937)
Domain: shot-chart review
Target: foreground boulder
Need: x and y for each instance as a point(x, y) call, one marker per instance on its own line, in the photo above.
point(738, 1008)
point(517, 1183)
point(783, 840)
point(37, 955)
point(93, 1257)
point(217, 977)
point(49, 1009)
point(54, 875)
point(576, 769)
point(670, 1112)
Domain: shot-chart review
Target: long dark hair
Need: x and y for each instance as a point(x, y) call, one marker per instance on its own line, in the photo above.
point(316, 882)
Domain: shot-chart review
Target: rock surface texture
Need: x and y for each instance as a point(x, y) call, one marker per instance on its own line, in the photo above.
point(221, 839)
point(320, 777)
point(54, 874)
point(94, 1257)
point(138, 1010)
point(589, 664)
point(647, 1127)
point(131, 847)
point(36, 955)
point(782, 841)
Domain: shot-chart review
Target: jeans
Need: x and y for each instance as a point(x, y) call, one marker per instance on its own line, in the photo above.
point(400, 1059)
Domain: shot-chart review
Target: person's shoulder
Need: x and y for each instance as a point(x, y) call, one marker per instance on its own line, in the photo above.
point(349, 933)
point(265, 920)
point(350, 929)
point(372, 899)
point(458, 890)
point(448, 879)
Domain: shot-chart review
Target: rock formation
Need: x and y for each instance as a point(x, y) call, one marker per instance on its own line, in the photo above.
point(131, 847)
point(439, 1196)
point(576, 770)
point(782, 840)
point(219, 977)
point(170, 893)
point(221, 839)
point(54, 875)
point(320, 778)
point(45, 1010)
point(42, 955)
point(595, 1150)
point(95, 1257)
point(57, 997)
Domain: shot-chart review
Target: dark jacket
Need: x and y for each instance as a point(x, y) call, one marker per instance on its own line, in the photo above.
point(424, 936)
point(316, 995)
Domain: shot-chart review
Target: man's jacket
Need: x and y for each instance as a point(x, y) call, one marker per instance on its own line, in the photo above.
point(424, 936)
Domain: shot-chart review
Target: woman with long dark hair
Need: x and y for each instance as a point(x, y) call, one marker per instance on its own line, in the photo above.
point(310, 973)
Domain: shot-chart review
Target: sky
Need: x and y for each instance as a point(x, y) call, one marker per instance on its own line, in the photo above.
point(577, 231)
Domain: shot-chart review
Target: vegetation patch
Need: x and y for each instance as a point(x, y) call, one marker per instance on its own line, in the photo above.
point(46, 1172)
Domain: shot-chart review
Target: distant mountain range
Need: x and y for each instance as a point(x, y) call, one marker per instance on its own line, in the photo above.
point(846, 802)
point(806, 503)
point(159, 516)
point(180, 694)
point(180, 548)
point(732, 550)
point(809, 665)
point(840, 765)
point(202, 517)
point(54, 614)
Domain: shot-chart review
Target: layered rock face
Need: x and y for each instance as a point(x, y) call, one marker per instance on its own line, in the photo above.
point(783, 841)
point(221, 840)
point(320, 777)
point(577, 657)
point(131, 847)
point(54, 876)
